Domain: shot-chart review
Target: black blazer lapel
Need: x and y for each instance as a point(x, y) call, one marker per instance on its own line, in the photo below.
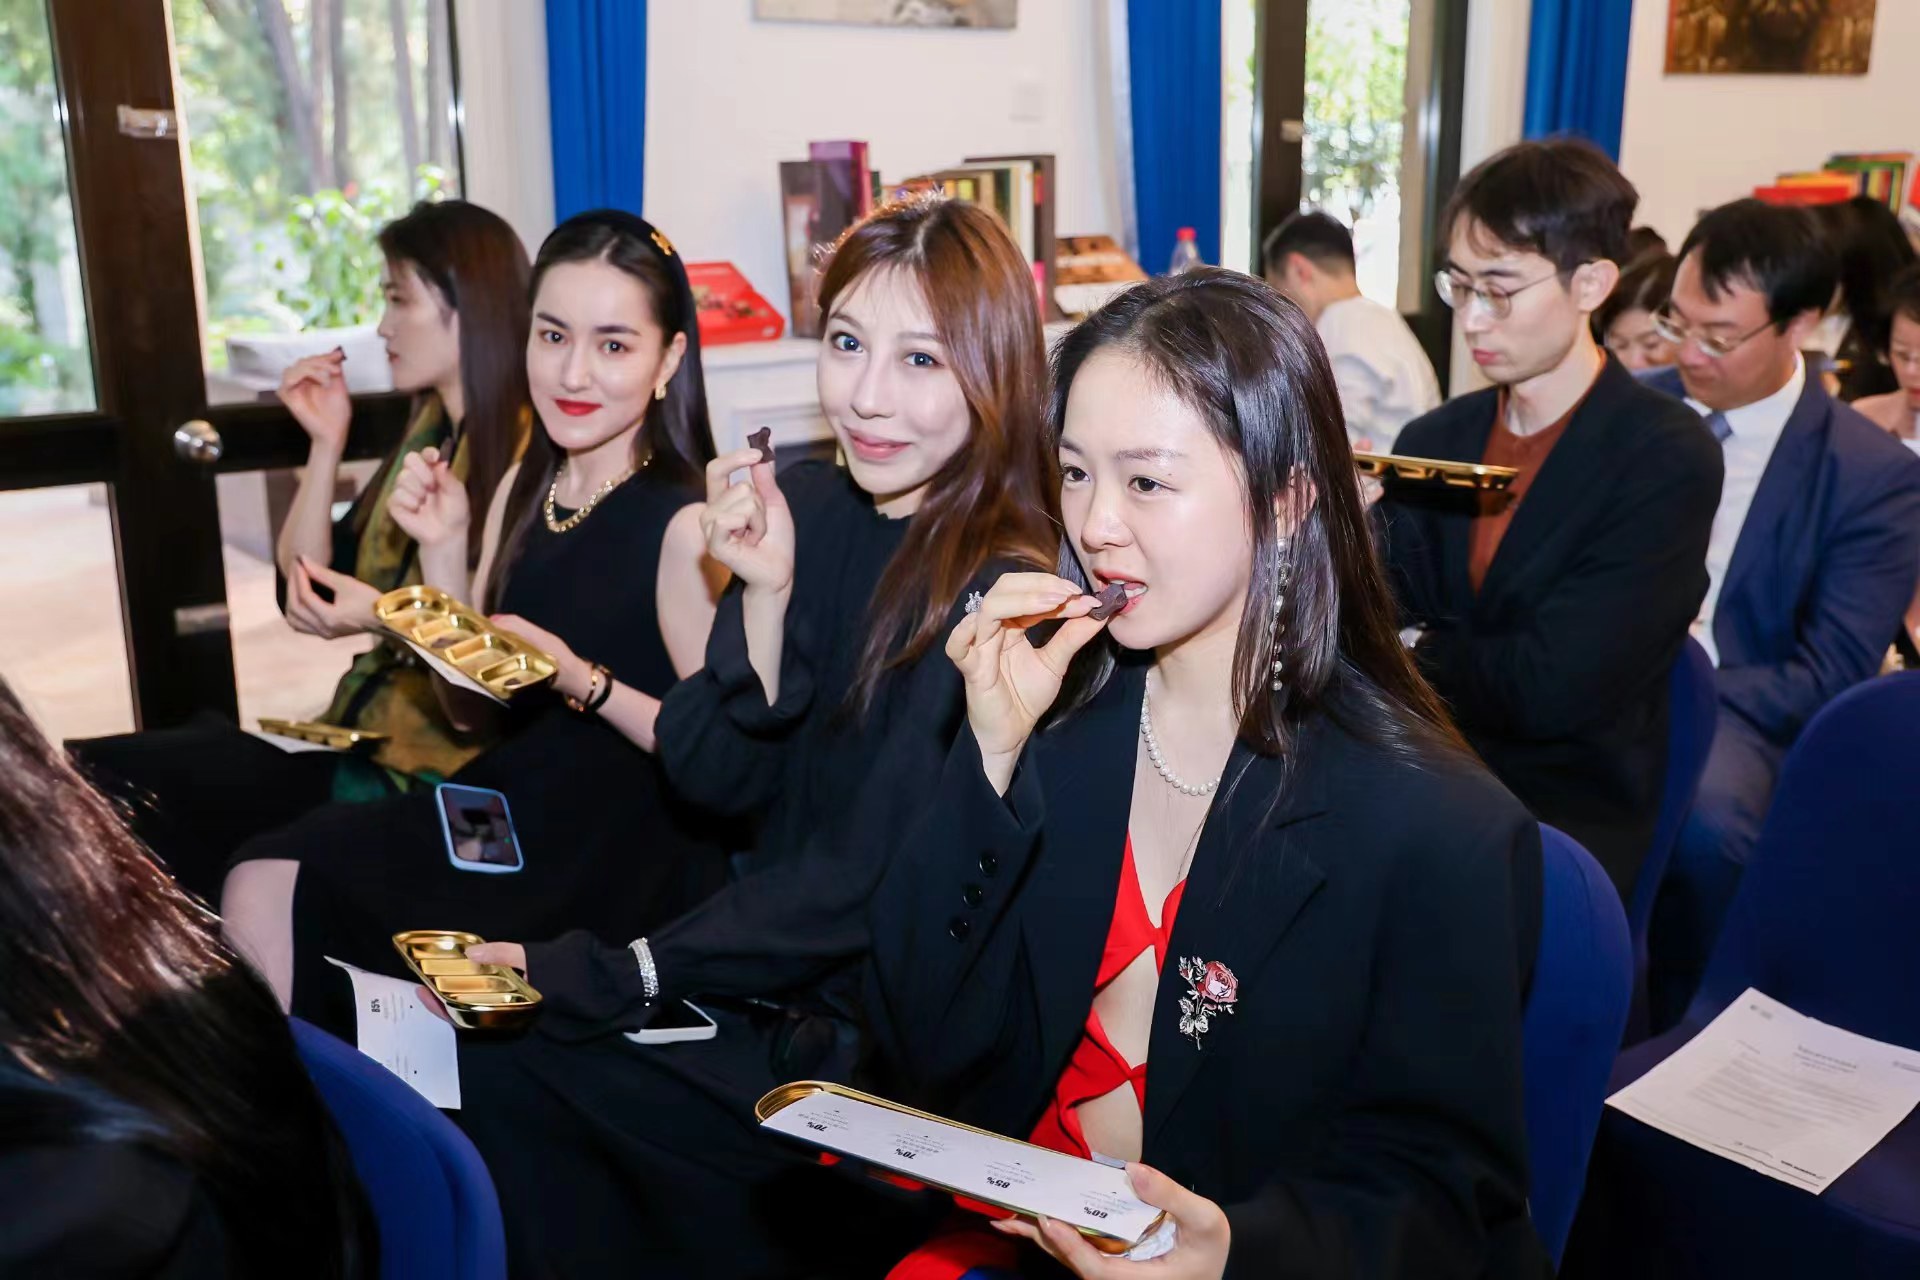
point(1250, 878)
point(1567, 480)
point(1783, 487)
point(1087, 763)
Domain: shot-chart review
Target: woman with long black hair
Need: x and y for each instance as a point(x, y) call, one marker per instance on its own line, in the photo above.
point(454, 326)
point(154, 1118)
point(1212, 886)
point(593, 551)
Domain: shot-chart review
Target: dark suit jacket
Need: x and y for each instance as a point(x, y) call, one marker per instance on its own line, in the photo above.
point(1557, 670)
point(1823, 569)
point(1359, 1113)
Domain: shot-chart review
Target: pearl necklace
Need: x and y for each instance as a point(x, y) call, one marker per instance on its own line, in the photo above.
point(1167, 775)
point(586, 508)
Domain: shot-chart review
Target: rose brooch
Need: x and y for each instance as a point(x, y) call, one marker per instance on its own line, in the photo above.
point(1212, 991)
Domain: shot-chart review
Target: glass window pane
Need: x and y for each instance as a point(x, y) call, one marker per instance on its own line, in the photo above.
point(1355, 117)
point(1236, 169)
point(62, 643)
point(46, 364)
point(310, 123)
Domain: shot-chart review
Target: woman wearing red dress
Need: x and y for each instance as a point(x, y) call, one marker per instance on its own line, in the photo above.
point(1212, 886)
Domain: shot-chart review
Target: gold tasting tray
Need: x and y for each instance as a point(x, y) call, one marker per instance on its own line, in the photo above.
point(783, 1096)
point(499, 661)
point(1454, 475)
point(327, 735)
point(479, 997)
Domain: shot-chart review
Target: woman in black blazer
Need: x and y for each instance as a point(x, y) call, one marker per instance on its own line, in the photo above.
point(1313, 1039)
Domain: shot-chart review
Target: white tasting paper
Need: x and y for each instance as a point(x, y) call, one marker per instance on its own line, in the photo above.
point(1779, 1092)
point(404, 1036)
point(1096, 1197)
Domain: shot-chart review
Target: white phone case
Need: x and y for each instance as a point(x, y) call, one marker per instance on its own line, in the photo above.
point(707, 1030)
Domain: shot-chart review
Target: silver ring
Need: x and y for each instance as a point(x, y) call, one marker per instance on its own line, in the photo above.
point(973, 602)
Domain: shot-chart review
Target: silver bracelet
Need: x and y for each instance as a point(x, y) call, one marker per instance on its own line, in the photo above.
point(649, 975)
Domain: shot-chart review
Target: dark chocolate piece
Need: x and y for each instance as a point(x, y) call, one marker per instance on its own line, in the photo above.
point(763, 441)
point(1112, 598)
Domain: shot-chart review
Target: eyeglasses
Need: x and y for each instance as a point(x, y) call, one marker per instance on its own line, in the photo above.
point(1460, 294)
point(1713, 345)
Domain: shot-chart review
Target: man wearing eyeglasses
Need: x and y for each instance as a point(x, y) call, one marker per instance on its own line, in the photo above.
point(1549, 616)
point(1814, 551)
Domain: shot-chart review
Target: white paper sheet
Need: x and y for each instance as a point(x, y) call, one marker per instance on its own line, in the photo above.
point(1779, 1092)
point(404, 1036)
point(992, 1169)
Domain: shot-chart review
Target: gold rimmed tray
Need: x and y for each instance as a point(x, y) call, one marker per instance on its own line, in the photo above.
point(461, 644)
point(1453, 475)
point(995, 1171)
point(331, 736)
point(478, 997)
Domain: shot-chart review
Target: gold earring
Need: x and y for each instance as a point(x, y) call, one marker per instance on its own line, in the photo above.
point(660, 392)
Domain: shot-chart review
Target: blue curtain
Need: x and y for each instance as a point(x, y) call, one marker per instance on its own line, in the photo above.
point(1173, 72)
point(1577, 69)
point(597, 99)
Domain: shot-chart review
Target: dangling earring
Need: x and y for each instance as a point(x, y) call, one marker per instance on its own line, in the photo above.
point(660, 392)
point(1279, 603)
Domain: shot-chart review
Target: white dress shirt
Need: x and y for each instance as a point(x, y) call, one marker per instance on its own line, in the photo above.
point(1756, 429)
point(1385, 378)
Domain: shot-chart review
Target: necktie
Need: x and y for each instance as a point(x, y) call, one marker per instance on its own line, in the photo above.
point(1718, 424)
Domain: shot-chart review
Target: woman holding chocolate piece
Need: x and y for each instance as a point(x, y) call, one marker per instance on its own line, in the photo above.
point(593, 552)
point(824, 662)
point(1212, 886)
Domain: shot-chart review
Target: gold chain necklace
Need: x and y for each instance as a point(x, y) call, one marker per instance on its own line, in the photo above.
point(586, 508)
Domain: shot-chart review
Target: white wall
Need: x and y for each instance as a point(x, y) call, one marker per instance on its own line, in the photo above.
point(1492, 112)
point(729, 97)
point(1692, 142)
point(504, 135)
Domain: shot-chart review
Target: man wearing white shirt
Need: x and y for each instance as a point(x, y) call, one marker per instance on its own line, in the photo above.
point(1385, 378)
point(1814, 552)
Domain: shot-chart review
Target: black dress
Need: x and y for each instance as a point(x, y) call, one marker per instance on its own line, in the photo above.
point(611, 1155)
point(608, 846)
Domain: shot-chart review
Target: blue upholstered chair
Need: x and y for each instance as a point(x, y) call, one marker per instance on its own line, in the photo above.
point(1693, 710)
point(438, 1214)
point(1825, 922)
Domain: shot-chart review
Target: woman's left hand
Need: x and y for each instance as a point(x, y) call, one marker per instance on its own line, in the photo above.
point(349, 612)
point(1199, 1251)
point(575, 676)
point(511, 954)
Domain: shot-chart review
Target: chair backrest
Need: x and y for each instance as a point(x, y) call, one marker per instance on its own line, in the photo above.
point(1825, 916)
point(438, 1214)
point(1693, 711)
point(1582, 983)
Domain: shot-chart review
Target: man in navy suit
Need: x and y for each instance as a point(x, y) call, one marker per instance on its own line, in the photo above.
point(1814, 552)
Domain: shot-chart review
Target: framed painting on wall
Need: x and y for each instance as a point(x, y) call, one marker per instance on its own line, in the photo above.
point(995, 14)
point(1770, 37)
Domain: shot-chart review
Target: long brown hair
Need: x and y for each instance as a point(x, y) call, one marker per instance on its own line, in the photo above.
point(675, 439)
point(1249, 362)
point(475, 262)
point(124, 1018)
point(989, 500)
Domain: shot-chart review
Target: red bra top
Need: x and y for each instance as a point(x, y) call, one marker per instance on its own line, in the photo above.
point(1096, 1067)
point(1095, 1070)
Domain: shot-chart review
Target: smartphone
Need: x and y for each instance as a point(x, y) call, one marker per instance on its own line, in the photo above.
point(679, 1022)
point(479, 830)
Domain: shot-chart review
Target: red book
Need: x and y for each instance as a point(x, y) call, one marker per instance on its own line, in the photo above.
point(729, 309)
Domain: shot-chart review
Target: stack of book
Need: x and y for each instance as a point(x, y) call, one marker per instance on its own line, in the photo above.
point(835, 187)
point(1887, 176)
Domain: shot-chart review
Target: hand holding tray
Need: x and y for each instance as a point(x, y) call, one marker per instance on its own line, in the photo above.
point(478, 997)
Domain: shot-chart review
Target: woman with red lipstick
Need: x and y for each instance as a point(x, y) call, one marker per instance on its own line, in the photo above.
point(592, 549)
point(1212, 886)
point(824, 661)
point(455, 283)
